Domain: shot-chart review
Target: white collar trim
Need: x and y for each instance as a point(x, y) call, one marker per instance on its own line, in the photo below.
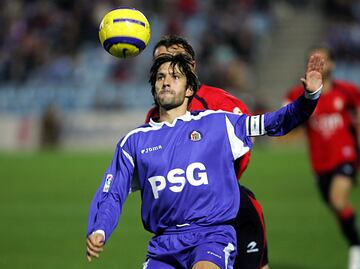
point(185, 117)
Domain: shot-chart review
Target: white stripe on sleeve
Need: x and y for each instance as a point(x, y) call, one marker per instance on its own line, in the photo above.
point(128, 156)
point(237, 146)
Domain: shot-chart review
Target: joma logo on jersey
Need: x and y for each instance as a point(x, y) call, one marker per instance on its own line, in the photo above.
point(151, 149)
point(195, 174)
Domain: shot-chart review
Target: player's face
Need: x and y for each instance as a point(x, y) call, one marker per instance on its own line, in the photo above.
point(171, 87)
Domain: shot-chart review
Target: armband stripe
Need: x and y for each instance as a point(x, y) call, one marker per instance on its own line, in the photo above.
point(255, 125)
point(248, 126)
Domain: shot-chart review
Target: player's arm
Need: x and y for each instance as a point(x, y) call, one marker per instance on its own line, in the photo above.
point(285, 119)
point(282, 121)
point(107, 202)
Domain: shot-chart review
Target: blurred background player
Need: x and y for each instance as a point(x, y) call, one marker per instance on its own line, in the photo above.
point(333, 136)
point(50, 128)
point(249, 223)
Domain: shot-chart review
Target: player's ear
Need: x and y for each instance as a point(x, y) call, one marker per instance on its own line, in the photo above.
point(189, 92)
point(193, 65)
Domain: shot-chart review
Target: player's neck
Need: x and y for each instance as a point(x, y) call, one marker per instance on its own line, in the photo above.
point(171, 114)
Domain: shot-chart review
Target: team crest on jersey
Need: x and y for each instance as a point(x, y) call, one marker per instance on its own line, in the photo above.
point(108, 180)
point(195, 136)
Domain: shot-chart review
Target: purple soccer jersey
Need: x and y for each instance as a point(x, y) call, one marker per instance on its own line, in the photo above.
point(185, 170)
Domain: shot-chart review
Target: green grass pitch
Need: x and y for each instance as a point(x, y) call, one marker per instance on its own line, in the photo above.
point(44, 199)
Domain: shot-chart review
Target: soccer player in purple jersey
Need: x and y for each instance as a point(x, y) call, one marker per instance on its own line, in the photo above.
point(252, 246)
point(185, 167)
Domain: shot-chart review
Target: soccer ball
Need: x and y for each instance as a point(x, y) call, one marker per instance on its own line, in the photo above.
point(124, 32)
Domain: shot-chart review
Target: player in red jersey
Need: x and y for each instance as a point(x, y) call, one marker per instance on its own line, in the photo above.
point(332, 133)
point(249, 223)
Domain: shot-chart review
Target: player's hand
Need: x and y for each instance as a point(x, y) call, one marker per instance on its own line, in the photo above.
point(313, 76)
point(94, 245)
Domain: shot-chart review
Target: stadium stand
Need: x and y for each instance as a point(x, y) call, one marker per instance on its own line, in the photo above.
point(51, 54)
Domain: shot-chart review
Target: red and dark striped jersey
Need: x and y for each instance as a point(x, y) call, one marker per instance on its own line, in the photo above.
point(330, 130)
point(208, 97)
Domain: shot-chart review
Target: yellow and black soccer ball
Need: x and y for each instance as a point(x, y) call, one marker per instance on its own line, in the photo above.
point(124, 32)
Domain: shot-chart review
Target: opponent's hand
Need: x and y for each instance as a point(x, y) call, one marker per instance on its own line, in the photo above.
point(313, 76)
point(94, 245)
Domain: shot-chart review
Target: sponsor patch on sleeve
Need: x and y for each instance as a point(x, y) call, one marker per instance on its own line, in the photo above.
point(108, 180)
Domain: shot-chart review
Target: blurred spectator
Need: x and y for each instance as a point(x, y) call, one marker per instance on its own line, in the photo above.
point(43, 42)
point(50, 128)
point(344, 34)
point(343, 37)
point(340, 9)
